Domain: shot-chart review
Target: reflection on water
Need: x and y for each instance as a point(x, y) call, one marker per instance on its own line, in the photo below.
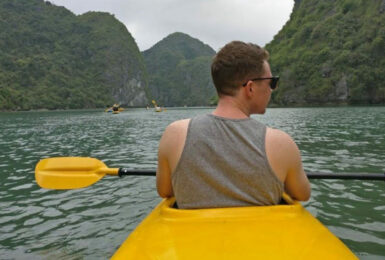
point(91, 223)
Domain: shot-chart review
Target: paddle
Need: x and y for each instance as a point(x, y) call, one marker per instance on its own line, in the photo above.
point(76, 172)
point(80, 172)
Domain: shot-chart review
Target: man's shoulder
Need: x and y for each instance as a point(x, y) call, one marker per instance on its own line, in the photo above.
point(184, 123)
point(277, 132)
point(278, 136)
point(178, 125)
point(174, 134)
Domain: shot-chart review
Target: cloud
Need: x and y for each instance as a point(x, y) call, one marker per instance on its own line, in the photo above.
point(215, 22)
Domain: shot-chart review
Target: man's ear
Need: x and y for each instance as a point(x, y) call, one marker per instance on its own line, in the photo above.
point(248, 88)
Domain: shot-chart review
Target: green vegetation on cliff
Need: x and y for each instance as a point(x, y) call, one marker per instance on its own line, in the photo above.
point(331, 52)
point(179, 71)
point(51, 58)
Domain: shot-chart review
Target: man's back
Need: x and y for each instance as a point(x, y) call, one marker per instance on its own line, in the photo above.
point(224, 164)
point(281, 152)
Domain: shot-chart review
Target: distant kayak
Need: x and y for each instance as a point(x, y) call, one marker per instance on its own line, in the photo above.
point(261, 232)
point(114, 108)
point(156, 107)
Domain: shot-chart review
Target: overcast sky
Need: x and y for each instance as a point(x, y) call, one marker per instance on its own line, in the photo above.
point(215, 22)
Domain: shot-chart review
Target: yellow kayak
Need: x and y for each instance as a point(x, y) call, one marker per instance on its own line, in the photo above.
point(262, 232)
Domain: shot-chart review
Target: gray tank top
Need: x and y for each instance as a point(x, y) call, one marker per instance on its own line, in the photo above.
point(224, 164)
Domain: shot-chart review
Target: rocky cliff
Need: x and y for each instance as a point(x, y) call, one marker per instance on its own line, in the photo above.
point(331, 52)
point(51, 58)
point(179, 71)
point(112, 49)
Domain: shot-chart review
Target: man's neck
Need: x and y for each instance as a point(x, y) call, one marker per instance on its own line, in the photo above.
point(230, 107)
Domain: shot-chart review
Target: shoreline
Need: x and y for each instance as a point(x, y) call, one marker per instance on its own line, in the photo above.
point(201, 107)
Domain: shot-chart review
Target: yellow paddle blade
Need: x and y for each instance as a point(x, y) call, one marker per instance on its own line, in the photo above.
point(69, 172)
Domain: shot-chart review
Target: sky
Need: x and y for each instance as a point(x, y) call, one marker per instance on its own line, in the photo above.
point(214, 22)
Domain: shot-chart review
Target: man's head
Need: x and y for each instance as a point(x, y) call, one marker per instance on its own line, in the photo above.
point(235, 63)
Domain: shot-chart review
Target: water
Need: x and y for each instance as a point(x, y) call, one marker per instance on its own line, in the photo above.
point(91, 223)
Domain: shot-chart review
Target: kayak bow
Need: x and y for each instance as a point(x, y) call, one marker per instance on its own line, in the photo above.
point(261, 232)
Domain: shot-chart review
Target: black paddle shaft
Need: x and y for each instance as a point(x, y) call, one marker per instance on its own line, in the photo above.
point(346, 176)
point(310, 175)
point(125, 171)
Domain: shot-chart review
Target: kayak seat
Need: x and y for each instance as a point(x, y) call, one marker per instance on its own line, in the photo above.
point(283, 202)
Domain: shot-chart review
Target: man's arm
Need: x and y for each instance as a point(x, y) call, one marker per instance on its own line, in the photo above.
point(170, 149)
point(163, 172)
point(285, 159)
point(297, 183)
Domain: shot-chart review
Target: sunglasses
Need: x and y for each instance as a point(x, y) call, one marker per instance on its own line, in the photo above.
point(273, 82)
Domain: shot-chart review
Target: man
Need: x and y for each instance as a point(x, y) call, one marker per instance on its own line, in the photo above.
point(225, 158)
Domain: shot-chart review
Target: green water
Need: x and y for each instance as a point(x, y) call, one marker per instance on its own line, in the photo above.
point(91, 223)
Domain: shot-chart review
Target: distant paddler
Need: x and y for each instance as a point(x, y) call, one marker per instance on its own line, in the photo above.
point(115, 109)
point(157, 108)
